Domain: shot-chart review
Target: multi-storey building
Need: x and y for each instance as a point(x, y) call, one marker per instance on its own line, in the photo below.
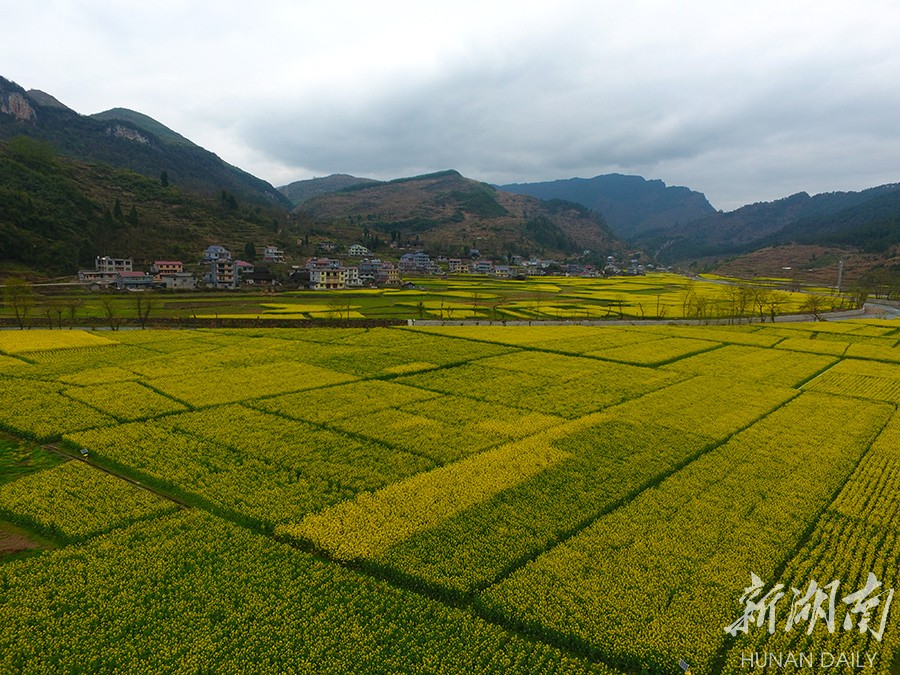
point(358, 250)
point(113, 265)
point(221, 274)
point(160, 267)
point(271, 254)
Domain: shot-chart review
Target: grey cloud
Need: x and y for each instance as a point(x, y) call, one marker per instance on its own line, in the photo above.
point(742, 103)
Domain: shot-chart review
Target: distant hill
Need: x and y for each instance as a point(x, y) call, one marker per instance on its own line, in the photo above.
point(872, 225)
point(630, 205)
point(304, 190)
point(57, 214)
point(447, 213)
point(864, 219)
point(129, 140)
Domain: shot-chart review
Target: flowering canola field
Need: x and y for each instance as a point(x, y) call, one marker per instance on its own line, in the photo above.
point(459, 499)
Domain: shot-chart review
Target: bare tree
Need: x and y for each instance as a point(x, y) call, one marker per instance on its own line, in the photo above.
point(760, 302)
point(143, 304)
point(858, 295)
point(72, 305)
point(702, 309)
point(111, 312)
point(476, 296)
point(19, 295)
point(54, 307)
point(814, 304)
point(688, 298)
point(335, 306)
point(744, 302)
point(730, 297)
point(775, 301)
point(661, 309)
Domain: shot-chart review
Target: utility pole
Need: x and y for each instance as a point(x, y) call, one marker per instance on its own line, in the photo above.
point(840, 274)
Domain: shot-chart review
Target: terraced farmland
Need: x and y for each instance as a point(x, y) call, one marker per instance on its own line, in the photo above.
point(448, 499)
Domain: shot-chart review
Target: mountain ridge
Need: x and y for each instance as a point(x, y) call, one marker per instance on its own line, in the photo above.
point(145, 122)
point(630, 205)
point(764, 224)
point(131, 143)
point(303, 190)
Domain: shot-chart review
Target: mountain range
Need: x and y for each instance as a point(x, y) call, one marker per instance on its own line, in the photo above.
point(67, 181)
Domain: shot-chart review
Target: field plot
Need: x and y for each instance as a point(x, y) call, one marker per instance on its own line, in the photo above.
point(12, 342)
point(228, 385)
point(38, 409)
point(754, 364)
point(125, 401)
point(225, 600)
point(74, 501)
point(655, 352)
point(877, 351)
point(857, 536)
point(814, 346)
point(444, 499)
point(545, 382)
point(865, 379)
point(605, 457)
point(296, 469)
point(356, 399)
point(659, 566)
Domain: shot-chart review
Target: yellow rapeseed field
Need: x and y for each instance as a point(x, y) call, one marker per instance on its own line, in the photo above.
point(446, 498)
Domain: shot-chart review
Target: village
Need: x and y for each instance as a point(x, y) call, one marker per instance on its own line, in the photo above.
point(218, 268)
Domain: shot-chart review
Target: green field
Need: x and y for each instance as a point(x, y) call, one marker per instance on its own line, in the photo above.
point(458, 499)
point(654, 296)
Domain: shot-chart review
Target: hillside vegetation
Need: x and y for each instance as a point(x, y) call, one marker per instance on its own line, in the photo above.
point(447, 213)
point(57, 214)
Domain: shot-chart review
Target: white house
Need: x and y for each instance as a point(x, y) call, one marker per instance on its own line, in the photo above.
point(216, 252)
point(358, 250)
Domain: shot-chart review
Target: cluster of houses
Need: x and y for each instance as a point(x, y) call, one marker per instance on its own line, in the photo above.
point(326, 274)
point(223, 271)
point(421, 263)
point(219, 269)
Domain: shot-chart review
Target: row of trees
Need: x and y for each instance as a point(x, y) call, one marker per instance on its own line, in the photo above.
point(736, 303)
point(66, 310)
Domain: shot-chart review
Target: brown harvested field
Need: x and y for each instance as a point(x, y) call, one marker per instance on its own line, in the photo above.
point(12, 540)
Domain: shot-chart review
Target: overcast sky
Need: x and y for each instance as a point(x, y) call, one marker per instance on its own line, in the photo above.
point(744, 101)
